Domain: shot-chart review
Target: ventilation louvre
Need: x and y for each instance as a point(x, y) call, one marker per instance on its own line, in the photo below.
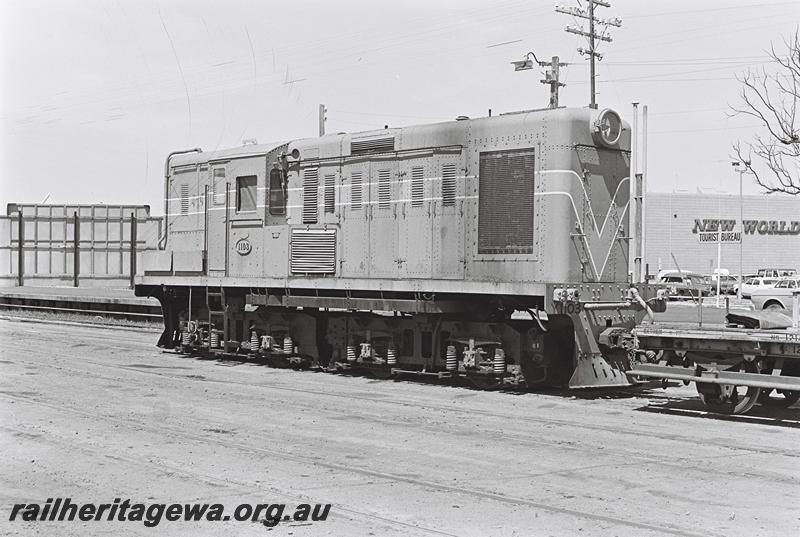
point(417, 186)
point(448, 185)
point(184, 199)
point(355, 191)
point(313, 251)
point(384, 190)
point(330, 193)
point(372, 145)
point(310, 193)
point(218, 186)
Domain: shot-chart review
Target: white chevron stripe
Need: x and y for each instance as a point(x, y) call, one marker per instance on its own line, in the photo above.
point(601, 230)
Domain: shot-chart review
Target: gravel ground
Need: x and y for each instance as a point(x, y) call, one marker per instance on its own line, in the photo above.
point(96, 414)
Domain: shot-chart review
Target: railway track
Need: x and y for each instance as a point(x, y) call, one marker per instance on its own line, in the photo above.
point(347, 468)
point(67, 361)
point(73, 360)
point(447, 408)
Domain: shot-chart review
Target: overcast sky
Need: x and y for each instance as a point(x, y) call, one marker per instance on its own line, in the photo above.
point(96, 93)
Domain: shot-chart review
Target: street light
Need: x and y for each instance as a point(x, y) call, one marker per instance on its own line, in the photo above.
point(551, 75)
point(742, 168)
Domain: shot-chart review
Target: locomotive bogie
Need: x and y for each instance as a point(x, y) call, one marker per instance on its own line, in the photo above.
point(513, 352)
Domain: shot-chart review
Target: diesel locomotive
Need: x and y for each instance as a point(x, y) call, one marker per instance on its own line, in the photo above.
point(493, 249)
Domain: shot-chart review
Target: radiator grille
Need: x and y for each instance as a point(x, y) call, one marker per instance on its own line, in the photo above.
point(417, 186)
point(313, 251)
point(449, 185)
point(384, 190)
point(355, 191)
point(330, 193)
point(505, 203)
point(372, 145)
point(310, 192)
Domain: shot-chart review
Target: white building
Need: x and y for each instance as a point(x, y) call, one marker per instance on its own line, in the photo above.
point(683, 228)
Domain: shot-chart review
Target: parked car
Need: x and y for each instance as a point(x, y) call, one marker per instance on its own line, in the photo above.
point(684, 285)
point(754, 284)
point(778, 298)
point(777, 272)
point(744, 278)
point(727, 284)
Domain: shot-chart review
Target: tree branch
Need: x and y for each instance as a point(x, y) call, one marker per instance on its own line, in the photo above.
point(771, 97)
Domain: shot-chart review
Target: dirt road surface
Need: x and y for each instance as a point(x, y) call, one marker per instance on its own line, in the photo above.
point(95, 414)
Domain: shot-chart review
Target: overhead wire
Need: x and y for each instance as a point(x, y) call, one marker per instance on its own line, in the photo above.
point(231, 82)
point(193, 68)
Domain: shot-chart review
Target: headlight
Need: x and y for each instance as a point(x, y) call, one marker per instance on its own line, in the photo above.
point(608, 127)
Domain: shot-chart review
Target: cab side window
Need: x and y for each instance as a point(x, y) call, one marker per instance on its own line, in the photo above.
point(277, 193)
point(246, 188)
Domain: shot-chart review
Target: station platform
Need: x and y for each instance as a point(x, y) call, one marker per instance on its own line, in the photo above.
point(93, 295)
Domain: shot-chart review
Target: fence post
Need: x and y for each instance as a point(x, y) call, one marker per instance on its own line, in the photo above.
point(20, 250)
point(133, 247)
point(76, 256)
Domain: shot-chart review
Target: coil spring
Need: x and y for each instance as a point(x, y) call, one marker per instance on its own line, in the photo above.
point(185, 339)
point(288, 345)
point(452, 358)
point(351, 353)
point(391, 356)
point(213, 340)
point(254, 342)
point(499, 362)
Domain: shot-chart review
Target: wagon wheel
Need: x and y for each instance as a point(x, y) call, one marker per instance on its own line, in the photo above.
point(729, 398)
point(778, 398)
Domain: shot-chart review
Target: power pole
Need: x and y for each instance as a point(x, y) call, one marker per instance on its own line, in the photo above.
point(551, 76)
point(322, 119)
point(593, 35)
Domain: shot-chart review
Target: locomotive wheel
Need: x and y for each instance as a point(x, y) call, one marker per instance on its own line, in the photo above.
point(778, 398)
point(728, 398)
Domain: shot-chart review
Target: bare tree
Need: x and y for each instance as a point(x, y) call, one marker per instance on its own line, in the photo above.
point(771, 96)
